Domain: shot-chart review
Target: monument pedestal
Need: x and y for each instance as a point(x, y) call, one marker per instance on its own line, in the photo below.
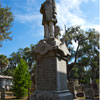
point(65, 95)
point(51, 72)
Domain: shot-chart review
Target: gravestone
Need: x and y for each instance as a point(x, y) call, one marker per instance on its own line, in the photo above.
point(89, 93)
point(51, 58)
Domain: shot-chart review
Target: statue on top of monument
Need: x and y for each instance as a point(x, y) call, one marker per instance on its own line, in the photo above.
point(48, 10)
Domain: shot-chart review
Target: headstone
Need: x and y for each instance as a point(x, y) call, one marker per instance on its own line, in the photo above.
point(75, 88)
point(89, 93)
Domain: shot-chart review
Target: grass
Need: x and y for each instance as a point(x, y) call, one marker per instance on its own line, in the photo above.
point(14, 99)
point(84, 98)
point(11, 97)
point(80, 98)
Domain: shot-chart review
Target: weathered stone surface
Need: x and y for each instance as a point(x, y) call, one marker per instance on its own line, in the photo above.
point(43, 47)
point(44, 96)
point(57, 32)
point(48, 10)
point(61, 74)
point(51, 70)
point(89, 93)
point(46, 74)
point(47, 95)
point(51, 58)
point(46, 45)
point(51, 65)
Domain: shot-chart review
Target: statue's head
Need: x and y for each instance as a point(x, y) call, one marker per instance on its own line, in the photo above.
point(49, 0)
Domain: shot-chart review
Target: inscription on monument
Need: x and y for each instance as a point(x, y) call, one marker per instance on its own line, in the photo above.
point(46, 74)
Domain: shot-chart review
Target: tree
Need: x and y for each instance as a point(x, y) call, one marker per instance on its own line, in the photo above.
point(21, 81)
point(86, 54)
point(3, 62)
point(6, 18)
point(27, 54)
point(9, 72)
point(14, 59)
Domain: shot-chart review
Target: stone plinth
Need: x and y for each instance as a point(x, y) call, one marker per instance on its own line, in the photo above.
point(51, 58)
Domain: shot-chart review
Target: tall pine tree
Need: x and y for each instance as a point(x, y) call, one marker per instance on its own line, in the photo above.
point(21, 81)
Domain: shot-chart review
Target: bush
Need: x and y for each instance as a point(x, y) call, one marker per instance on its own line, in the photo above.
point(21, 81)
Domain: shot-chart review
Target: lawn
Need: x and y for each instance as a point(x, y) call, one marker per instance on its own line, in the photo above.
point(10, 96)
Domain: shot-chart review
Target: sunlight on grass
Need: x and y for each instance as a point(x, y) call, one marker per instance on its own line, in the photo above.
point(80, 98)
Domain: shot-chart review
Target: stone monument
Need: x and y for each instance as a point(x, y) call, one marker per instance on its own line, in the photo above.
point(51, 58)
point(48, 10)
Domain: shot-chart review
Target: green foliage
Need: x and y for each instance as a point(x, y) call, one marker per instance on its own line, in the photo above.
point(3, 62)
point(6, 18)
point(14, 60)
point(97, 81)
point(9, 72)
point(74, 73)
point(27, 54)
point(86, 54)
point(21, 81)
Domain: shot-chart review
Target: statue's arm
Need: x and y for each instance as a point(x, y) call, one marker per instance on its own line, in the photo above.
point(54, 6)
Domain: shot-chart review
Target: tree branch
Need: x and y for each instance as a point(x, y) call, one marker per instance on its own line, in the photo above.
point(76, 53)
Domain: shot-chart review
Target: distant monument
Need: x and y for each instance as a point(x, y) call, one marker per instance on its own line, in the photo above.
point(51, 58)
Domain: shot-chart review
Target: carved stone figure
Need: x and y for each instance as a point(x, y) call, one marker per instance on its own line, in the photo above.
point(48, 10)
point(57, 32)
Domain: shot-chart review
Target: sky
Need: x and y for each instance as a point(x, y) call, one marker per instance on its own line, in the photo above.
point(27, 26)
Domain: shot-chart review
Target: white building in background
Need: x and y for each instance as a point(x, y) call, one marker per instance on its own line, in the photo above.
point(5, 82)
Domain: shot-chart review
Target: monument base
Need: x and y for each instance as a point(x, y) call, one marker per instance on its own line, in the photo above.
point(49, 95)
point(51, 71)
point(65, 95)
